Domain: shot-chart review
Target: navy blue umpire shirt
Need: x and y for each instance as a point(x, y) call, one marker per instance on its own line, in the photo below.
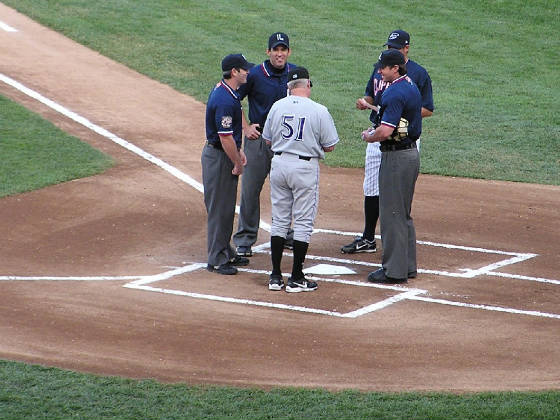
point(414, 71)
point(223, 115)
point(402, 99)
point(265, 85)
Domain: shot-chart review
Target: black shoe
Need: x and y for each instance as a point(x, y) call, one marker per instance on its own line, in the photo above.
point(239, 261)
point(380, 277)
point(412, 275)
point(244, 251)
point(359, 245)
point(276, 282)
point(300, 285)
point(225, 269)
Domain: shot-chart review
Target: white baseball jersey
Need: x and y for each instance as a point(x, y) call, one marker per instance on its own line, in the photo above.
point(306, 127)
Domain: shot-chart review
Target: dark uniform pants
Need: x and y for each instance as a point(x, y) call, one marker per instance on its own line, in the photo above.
point(220, 195)
point(397, 179)
point(255, 172)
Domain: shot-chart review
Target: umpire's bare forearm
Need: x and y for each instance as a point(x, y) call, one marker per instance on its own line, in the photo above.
point(229, 146)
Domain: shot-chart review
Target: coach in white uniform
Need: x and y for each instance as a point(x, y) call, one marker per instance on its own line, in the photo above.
point(300, 131)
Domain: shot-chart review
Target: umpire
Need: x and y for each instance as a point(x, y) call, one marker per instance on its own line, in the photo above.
point(222, 163)
point(398, 126)
point(265, 85)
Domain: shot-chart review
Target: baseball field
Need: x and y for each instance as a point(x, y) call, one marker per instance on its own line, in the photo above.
point(102, 279)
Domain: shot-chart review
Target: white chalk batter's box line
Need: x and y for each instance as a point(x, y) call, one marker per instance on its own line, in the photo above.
point(404, 293)
point(144, 282)
point(411, 294)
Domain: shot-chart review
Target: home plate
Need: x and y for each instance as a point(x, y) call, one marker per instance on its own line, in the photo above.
point(327, 269)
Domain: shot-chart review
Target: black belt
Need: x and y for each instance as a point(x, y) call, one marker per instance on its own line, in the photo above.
point(301, 157)
point(396, 146)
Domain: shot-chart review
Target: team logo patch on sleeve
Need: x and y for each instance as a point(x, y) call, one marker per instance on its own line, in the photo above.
point(226, 121)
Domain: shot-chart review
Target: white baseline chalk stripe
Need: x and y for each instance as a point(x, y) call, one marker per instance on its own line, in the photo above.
point(380, 305)
point(485, 307)
point(7, 27)
point(235, 300)
point(138, 280)
point(475, 249)
point(103, 132)
point(68, 278)
point(520, 277)
point(167, 275)
point(489, 268)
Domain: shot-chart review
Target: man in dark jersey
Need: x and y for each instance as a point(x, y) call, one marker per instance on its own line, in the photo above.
point(398, 127)
point(266, 83)
point(399, 40)
point(222, 162)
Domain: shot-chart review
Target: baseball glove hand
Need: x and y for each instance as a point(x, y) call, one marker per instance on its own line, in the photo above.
point(401, 131)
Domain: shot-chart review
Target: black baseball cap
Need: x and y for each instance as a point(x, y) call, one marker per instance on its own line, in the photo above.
point(298, 73)
point(390, 58)
point(398, 39)
point(235, 61)
point(278, 38)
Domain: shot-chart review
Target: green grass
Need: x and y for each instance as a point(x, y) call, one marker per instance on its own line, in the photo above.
point(494, 65)
point(34, 392)
point(35, 153)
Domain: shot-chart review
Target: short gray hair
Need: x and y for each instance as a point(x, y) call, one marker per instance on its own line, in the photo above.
point(292, 84)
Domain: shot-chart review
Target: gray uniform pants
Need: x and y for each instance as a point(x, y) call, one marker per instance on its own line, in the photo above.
point(397, 179)
point(255, 172)
point(294, 193)
point(220, 195)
